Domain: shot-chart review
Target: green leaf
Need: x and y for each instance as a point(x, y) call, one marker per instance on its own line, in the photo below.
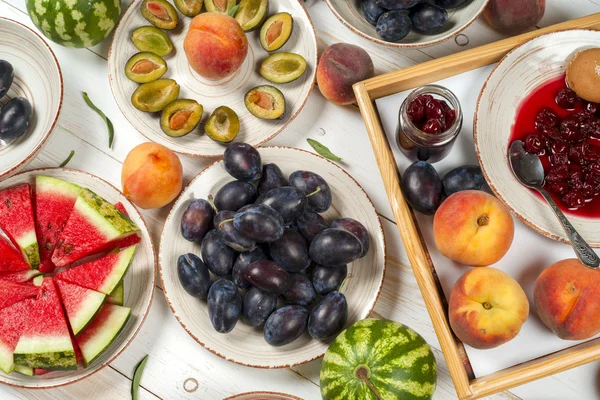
point(64, 163)
point(109, 125)
point(233, 10)
point(137, 376)
point(323, 150)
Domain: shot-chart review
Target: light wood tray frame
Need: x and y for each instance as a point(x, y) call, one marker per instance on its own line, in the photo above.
point(467, 385)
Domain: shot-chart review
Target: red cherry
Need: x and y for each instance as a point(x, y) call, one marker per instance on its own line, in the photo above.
point(433, 126)
point(546, 119)
point(434, 110)
point(449, 118)
point(573, 199)
point(416, 111)
point(535, 144)
point(560, 173)
point(560, 187)
point(567, 98)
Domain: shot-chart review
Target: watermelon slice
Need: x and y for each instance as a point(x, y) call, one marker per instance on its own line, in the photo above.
point(129, 240)
point(11, 259)
point(102, 275)
point(13, 320)
point(22, 369)
point(16, 220)
point(54, 201)
point(102, 331)
point(118, 295)
point(90, 229)
point(11, 293)
point(46, 341)
point(81, 304)
point(20, 276)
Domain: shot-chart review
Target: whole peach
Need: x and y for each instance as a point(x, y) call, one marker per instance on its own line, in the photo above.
point(514, 16)
point(487, 308)
point(567, 298)
point(151, 175)
point(473, 228)
point(215, 45)
point(341, 66)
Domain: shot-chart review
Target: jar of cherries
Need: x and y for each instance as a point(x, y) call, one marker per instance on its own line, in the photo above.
point(429, 122)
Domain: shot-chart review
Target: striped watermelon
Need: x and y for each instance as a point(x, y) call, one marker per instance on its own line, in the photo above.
point(75, 23)
point(377, 359)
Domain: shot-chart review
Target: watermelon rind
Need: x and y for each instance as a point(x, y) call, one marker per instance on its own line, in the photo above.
point(102, 331)
point(117, 296)
point(38, 280)
point(13, 321)
point(105, 216)
point(396, 360)
point(25, 370)
point(87, 302)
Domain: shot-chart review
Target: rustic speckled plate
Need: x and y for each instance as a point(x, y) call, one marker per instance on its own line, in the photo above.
point(139, 281)
point(263, 396)
point(351, 15)
point(246, 345)
point(38, 78)
point(228, 92)
point(515, 77)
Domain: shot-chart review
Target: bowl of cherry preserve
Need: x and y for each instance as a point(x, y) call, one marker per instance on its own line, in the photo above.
point(526, 98)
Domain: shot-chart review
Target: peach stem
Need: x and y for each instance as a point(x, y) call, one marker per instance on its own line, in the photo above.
point(483, 220)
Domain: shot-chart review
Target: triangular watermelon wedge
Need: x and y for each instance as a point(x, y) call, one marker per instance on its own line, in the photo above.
point(93, 224)
point(129, 240)
point(54, 201)
point(12, 323)
point(16, 220)
point(11, 293)
point(20, 276)
point(102, 331)
point(81, 304)
point(102, 275)
point(46, 341)
point(11, 259)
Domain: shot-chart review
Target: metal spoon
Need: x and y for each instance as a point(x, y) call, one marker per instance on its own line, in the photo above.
point(529, 171)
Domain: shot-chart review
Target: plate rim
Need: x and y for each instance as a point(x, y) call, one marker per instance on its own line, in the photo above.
point(28, 158)
point(260, 392)
point(111, 79)
point(144, 314)
point(381, 234)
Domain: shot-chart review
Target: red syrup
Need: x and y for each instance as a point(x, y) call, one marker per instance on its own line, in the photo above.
point(544, 96)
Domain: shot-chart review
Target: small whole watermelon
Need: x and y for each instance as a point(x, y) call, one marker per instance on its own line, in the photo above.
point(75, 23)
point(377, 359)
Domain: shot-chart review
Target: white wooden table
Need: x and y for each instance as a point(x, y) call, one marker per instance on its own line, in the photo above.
point(174, 355)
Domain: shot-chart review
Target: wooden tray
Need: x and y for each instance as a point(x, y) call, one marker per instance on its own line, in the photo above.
point(467, 385)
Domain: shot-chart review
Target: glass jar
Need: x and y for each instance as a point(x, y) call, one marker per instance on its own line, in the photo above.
point(417, 145)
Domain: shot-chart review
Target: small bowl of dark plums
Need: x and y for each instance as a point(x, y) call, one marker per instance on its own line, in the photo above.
point(407, 23)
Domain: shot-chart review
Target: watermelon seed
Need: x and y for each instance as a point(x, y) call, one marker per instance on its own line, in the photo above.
point(68, 249)
point(362, 372)
point(8, 203)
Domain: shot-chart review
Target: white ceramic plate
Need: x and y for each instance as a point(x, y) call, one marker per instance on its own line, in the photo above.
point(263, 396)
point(351, 15)
point(37, 78)
point(246, 345)
point(228, 92)
point(515, 77)
point(139, 280)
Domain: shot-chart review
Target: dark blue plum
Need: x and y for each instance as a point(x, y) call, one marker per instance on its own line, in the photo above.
point(224, 305)
point(289, 202)
point(315, 188)
point(301, 290)
point(6, 77)
point(271, 178)
point(355, 228)
point(197, 219)
point(230, 236)
point(290, 251)
point(268, 276)
point(235, 195)
point(217, 256)
point(328, 317)
point(371, 11)
point(393, 25)
point(428, 19)
point(334, 247)
point(258, 305)
point(193, 275)
point(397, 4)
point(450, 3)
point(328, 279)
point(285, 325)
point(422, 187)
point(467, 177)
point(310, 224)
point(243, 261)
point(259, 222)
point(15, 118)
point(242, 161)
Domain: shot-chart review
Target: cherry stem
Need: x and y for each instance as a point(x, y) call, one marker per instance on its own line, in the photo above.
point(362, 373)
point(315, 192)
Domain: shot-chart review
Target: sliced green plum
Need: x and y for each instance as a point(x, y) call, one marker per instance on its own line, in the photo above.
point(265, 102)
point(223, 125)
point(283, 67)
point(145, 67)
point(251, 13)
point(276, 31)
point(155, 96)
point(181, 117)
point(189, 8)
point(153, 40)
point(219, 6)
point(160, 13)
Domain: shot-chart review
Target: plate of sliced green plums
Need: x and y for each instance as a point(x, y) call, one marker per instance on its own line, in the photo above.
point(197, 75)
